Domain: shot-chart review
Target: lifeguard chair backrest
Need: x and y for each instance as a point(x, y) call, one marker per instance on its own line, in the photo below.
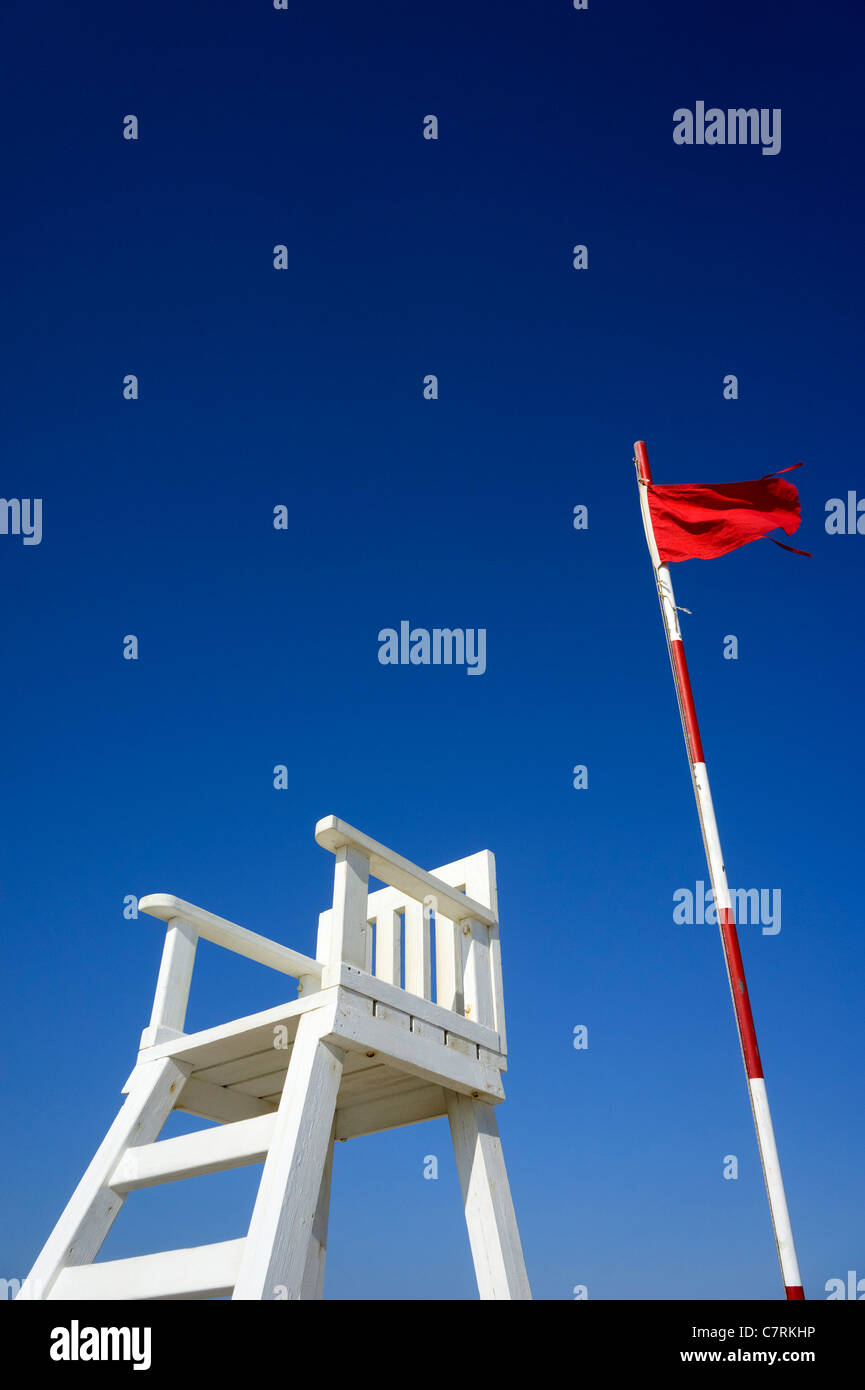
point(407, 929)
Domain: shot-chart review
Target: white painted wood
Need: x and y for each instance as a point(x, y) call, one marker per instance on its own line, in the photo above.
point(391, 1112)
point(498, 987)
point(476, 876)
point(473, 876)
point(247, 1067)
point(277, 1247)
point(231, 936)
point(210, 1102)
point(398, 1018)
point(368, 944)
point(388, 956)
point(253, 1033)
point(312, 1286)
point(263, 1085)
point(203, 1271)
point(355, 1062)
point(492, 1226)
point(373, 988)
point(391, 868)
point(349, 930)
point(354, 1028)
point(495, 1059)
point(175, 976)
point(356, 1071)
point(449, 968)
point(484, 886)
point(423, 1029)
point(375, 1084)
point(192, 1155)
point(418, 978)
point(154, 1088)
point(477, 977)
point(152, 1037)
point(323, 950)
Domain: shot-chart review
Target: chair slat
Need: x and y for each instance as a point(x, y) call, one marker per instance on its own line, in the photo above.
point(477, 973)
point(418, 974)
point(449, 968)
point(388, 955)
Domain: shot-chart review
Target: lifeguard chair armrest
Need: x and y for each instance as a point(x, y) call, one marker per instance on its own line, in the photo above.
point(232, 937)
point(332, 833)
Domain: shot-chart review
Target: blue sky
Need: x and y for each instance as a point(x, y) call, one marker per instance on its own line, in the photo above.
point(259, 647)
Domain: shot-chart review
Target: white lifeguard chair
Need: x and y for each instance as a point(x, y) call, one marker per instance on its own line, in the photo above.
point(357, 1052)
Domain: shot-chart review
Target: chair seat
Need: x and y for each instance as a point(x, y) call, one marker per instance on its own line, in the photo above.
point(401, 1054)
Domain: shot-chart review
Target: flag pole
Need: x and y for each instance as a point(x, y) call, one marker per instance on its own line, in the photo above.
point(723, 903)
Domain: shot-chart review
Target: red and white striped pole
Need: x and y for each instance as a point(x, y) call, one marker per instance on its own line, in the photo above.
point(726, 921)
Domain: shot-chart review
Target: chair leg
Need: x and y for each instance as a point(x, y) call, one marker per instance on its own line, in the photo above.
point(277, 1247)
point(154, 1089)
point(492, 1224)
point(313, 1276)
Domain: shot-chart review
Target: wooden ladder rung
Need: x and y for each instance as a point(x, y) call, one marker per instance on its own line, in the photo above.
point(203, 1271)
point(190, 1155)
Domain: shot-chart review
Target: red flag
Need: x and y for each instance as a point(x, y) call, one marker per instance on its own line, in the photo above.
point(698, 521)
